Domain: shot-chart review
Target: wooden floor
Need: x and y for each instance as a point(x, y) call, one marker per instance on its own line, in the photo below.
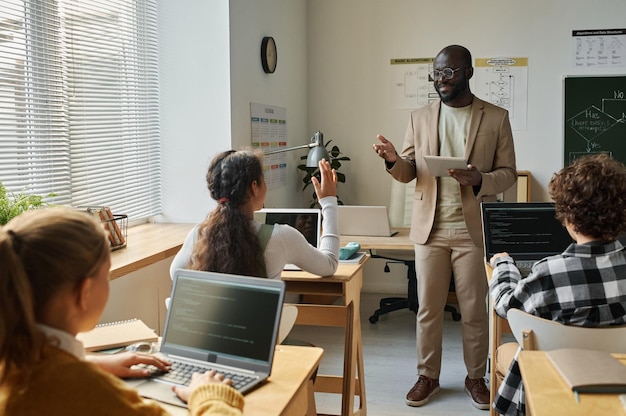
point(390, 364)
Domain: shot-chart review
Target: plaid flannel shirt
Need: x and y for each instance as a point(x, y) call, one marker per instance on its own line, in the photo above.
point(585, 285)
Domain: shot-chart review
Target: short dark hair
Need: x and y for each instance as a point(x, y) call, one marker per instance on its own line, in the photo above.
point(590, 195)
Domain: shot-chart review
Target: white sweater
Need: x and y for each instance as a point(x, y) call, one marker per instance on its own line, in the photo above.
point(287, 246)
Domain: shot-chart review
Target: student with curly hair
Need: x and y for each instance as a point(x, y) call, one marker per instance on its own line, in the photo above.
point(231, 241)
point(54, 283)
point(586, 284)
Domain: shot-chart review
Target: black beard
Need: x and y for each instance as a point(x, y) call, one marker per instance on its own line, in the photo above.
point(457, 90)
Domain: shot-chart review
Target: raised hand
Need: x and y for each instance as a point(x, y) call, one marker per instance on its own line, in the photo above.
point(328, 184)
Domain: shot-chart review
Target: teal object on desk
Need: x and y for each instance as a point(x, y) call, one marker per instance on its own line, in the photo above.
point(348, 251)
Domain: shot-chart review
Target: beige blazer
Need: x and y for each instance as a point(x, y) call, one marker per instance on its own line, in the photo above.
point(489, 148)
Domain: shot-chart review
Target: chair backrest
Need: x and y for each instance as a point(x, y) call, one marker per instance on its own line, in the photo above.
point(535, 333)
point(287, 321)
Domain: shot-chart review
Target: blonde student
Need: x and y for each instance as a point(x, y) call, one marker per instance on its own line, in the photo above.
point(53, 284)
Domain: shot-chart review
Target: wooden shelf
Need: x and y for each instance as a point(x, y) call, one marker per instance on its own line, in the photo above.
point(148, 244)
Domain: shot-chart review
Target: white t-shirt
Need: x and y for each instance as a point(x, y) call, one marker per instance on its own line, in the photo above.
point(453, 129)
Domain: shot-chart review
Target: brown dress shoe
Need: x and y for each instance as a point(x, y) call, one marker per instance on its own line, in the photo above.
point(478, 391)
point(422, 391)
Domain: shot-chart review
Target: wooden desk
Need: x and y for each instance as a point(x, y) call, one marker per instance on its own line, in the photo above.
point(397, 246)
point(142, 267)
point(399, 241)
point(147, 244)
point(547, 394)
point(497, 327)
point(346, 284)
point(288, 391)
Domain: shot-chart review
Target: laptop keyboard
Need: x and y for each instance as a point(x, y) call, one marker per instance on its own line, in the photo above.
point(524, 266)
point(180, 373)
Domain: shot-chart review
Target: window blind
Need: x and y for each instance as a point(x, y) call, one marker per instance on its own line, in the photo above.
point(79, 109)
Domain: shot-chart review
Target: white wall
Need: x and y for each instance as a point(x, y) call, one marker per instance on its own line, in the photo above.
point(351, 42)
point(195, 101)
point(210, 72)
point(285, 21)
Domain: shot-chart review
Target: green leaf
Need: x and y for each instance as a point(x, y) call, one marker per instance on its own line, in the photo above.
point(12, 205)
point(336, 158)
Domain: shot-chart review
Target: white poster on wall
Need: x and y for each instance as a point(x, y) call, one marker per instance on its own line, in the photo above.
point(604, 48)
point(411, 83)
point(500, 81)
point(504, 82)
point(269, 132)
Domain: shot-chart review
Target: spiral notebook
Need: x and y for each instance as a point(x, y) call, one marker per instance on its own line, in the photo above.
point(116, 334)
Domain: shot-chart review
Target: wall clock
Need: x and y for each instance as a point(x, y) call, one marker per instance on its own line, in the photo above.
point(269, 55)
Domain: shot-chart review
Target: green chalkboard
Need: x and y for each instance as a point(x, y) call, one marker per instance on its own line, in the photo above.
point(595, 117)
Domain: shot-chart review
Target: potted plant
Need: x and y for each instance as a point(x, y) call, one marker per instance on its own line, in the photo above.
point(12, 205)
point(335, 162)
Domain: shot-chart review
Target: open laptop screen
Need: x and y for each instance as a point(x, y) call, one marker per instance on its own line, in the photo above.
point(365, 220)
point(526, 230)
point(306, 220)
point(214, 315)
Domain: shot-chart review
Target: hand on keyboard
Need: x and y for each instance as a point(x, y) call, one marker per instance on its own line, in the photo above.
point(198, 380)
point(181, 373)
point(129, 364)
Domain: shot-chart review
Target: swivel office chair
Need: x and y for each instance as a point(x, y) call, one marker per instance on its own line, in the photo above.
point(400, 216)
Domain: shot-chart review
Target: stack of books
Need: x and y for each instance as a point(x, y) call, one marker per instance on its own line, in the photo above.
point(117, 238)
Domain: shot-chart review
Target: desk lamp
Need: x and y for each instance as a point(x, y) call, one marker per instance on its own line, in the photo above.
point(317, 152)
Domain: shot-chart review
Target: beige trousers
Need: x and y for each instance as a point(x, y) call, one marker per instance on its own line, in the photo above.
point(448, 252)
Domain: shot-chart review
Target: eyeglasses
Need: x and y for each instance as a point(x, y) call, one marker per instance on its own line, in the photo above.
point(446, 73)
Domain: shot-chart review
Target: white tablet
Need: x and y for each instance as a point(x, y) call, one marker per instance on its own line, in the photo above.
point(439, 165)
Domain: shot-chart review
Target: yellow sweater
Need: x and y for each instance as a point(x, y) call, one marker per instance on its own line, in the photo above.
point(64, 385)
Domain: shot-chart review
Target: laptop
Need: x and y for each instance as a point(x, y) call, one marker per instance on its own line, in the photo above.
point(365, 220)
point(306, 220)
point(528, 231)
point(218, 321)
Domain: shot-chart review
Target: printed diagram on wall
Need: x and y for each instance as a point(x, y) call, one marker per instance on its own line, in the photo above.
point(595, 117)
point(269, 132)
point(411, 83)
point(504, 82)
point(599, 48)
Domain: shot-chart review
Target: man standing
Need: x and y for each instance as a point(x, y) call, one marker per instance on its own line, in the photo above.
point(446, 224)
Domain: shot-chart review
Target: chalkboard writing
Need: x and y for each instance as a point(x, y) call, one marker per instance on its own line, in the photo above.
point(595, 117)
